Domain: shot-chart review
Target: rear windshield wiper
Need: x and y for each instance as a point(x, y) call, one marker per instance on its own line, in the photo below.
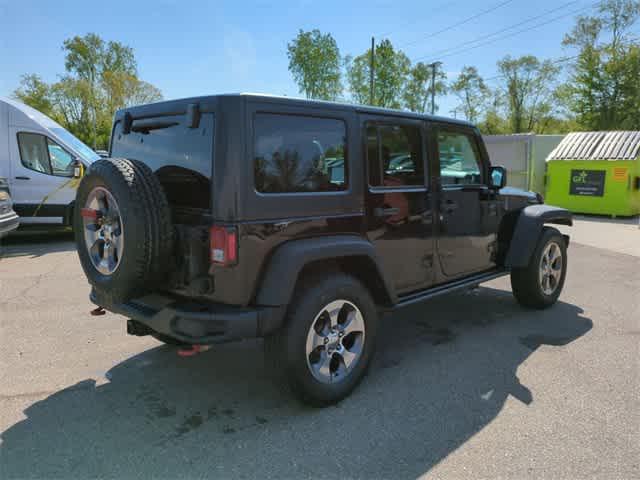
point(146, 127)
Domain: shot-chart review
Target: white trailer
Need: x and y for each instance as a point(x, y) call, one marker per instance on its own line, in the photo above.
point(523, 155)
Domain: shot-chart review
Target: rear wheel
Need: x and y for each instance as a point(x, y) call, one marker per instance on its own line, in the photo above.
point(539, 284)
point(328, 340)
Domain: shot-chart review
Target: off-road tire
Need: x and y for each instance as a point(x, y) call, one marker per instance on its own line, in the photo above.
point(146, 223)
point(285, 349)
point(525, 281)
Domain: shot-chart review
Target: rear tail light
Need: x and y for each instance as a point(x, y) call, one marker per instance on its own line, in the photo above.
point(224, 245)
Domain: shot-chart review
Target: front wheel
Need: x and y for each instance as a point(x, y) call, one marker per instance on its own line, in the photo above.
point(539, 284)
point(328, 340)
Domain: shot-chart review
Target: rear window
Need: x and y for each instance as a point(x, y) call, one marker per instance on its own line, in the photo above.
point(299, 154)
point(167, 143)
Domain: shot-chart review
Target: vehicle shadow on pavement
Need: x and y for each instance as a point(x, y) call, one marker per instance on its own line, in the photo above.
point(443, 372)
point(35, 242)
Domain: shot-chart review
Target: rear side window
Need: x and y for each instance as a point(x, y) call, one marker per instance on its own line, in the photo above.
point(394, 155)
point(299, 154)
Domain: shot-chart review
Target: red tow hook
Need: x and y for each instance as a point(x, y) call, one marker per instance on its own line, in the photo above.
point(193, 350)
point(90, 213)
point(98, 311)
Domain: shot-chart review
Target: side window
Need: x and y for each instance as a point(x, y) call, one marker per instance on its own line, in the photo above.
point(299, 154)
point(459, 159)
point(62, 163)
point(394, 155)
point(34, 152)
point(40, 153)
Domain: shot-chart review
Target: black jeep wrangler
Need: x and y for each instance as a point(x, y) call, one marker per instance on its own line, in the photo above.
point(236, 216)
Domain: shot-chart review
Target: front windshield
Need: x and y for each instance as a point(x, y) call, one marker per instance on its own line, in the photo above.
point(85, 152)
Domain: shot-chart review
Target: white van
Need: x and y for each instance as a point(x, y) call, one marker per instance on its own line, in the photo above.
point(39, 157)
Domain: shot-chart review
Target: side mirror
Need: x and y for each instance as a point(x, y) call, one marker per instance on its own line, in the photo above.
point(78, 169)
point(498, 177)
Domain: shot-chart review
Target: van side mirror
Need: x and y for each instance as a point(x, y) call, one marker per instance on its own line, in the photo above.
point(498, 177)
point(78, 169)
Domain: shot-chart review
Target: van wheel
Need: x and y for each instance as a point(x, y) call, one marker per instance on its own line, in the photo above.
point(539, 284)
point(326, 345)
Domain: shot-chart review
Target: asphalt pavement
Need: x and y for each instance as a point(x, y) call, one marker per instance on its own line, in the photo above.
point(465, 386)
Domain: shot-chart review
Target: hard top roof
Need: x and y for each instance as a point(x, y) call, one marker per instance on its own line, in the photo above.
point(178, 105)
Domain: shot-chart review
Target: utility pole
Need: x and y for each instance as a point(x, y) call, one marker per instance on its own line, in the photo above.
point(371, 71)
point(433, 67)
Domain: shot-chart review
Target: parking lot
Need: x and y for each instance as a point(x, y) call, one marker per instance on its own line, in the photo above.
point(466, 386)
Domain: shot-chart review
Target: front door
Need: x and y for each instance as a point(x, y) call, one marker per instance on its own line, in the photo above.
point(468, 211)
point(41, 171)
point(399, 213)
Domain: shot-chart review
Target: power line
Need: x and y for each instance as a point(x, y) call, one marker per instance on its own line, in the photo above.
point(462, 22)
point(489, 35)
point(437, 8)
point(518, 32)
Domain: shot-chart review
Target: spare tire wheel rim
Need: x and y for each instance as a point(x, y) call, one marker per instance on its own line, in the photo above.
point(551, 265)
point(335, 341)
point(103, 230)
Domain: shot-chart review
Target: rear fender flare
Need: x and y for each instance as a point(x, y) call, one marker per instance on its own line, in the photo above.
point(283, 268)
point(528, 229)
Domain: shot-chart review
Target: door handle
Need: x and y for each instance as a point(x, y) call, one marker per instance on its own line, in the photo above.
point(23, 178)
point(386, 212)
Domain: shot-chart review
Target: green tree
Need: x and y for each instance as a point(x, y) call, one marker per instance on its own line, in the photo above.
point(101, 77)
point(35, 92)
point(122, 89)
point(417, 92)
point(315, 63)
point(528, 86)
point(87, 59)
point(472, 93)
point(603, 91)
point(72, 99)
point(390, 76)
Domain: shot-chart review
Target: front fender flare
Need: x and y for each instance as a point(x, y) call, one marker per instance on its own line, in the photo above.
point(527, 231)
point(281, 272)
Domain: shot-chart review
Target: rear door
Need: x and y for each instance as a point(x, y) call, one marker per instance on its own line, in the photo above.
point(468, 210)
point(398, 202)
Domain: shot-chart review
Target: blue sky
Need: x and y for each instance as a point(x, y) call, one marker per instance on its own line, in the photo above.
point(193, 48)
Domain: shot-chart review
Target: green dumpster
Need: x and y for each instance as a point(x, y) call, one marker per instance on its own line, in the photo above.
point(596, 172)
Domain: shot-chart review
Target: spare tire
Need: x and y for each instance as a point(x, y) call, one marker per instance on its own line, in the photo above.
point(123, 228)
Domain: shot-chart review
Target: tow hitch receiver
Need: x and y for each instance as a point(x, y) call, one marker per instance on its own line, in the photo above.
point(137, 329)
point(193, 350)
point(98, 311)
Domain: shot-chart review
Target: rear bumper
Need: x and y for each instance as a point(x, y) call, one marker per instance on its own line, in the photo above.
point(8, 222)
point(195, 322)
